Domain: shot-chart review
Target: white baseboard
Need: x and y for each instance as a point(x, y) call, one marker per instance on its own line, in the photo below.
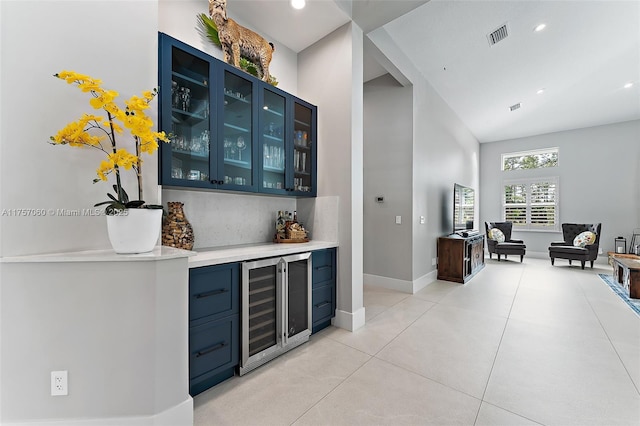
point(349, 320)
point(424, 281)
point(404, 286)
point(390, 283)
point(179, 415)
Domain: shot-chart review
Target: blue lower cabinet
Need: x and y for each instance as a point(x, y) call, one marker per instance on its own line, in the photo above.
point(323, 296)
point(214, 332)
point(213, 353)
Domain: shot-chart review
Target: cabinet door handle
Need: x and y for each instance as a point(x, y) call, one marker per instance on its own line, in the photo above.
point(321, 304)
point(318, 268)
point(211, 349)
point(211, 293)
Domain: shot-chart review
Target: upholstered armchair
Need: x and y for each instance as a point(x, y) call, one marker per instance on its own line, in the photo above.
point(581, 242)
point(501, 243)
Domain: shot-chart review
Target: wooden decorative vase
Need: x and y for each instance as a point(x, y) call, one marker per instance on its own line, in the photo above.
point(176, 230)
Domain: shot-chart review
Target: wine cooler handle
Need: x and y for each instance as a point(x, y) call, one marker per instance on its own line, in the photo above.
point(285, 310)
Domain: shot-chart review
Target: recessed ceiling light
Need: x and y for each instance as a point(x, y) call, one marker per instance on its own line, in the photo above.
point(297, 4)
point(540, 91)
point(628, 85)
point(540, 27)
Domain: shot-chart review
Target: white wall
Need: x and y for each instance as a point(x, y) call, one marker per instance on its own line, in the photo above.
point(40, 38)
point(330, 76)
point(120, 330)
point(598, 170)
point(388, 172)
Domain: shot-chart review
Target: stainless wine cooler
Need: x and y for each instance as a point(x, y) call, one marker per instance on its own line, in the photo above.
point(276, 307)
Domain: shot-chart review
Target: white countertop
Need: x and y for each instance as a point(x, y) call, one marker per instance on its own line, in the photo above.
point(240, 253)
point(158, 253)
point(199, 257)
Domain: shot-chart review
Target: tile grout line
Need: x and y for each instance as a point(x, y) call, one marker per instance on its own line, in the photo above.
point(334, 388)
point(613, 346)
point(493, 364)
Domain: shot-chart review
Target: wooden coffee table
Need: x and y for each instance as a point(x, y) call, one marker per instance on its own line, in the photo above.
point(626, 271)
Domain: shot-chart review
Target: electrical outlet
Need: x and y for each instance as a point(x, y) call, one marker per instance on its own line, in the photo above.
point(434, 261)
point(59, 383)
point(398, 220)
point(421, 220)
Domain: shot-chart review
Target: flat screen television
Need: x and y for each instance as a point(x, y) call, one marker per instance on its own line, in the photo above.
point(463, 208)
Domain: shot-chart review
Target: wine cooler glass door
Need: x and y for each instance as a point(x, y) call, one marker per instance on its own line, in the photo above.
point(261, 311)
point(297, 291)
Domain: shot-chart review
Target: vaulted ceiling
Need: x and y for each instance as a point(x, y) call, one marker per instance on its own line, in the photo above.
point(582, 59)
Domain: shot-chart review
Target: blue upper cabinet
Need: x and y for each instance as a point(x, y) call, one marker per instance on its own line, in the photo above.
point(229, 130)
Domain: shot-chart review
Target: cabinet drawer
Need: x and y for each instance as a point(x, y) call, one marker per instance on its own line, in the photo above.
point(213, 346)
point(323, 265)
point(213, 292)
point(322, 303)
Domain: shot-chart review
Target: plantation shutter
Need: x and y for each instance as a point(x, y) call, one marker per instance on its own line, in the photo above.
point(515, 204)
point(531, 204)
point(543, 204)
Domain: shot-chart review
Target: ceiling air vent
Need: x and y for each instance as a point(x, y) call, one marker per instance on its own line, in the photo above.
point(498, 35)
point(515, 106)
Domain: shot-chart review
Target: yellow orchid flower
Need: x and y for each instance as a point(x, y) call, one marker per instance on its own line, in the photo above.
point(91, 129)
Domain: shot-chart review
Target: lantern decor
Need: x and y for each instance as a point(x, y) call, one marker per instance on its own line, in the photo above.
point(621, 245)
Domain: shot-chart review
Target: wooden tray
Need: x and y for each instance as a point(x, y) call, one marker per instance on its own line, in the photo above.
point(290, 240)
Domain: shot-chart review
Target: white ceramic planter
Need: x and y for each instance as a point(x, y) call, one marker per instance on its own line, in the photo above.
point(135, 230)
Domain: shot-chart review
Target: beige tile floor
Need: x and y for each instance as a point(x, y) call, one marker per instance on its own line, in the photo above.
point(520, 344)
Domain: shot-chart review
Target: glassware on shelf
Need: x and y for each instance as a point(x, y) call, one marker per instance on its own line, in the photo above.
point(176, 173)
point(227, 147)
point(233, 149)
point(241, 147)
point(205, 141)
point(175, 94)
point(185, 98)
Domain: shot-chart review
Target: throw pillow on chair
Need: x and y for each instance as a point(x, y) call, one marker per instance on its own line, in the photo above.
point(496, 235)
point(584, 238)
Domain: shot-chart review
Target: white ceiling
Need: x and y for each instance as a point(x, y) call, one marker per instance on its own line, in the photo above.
point(584, 56)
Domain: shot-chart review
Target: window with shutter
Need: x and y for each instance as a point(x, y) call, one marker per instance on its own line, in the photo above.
point(531, 204)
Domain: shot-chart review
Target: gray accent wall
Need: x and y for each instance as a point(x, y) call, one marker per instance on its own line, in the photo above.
point(599, 181)
point(388, 173)
point(440, 151)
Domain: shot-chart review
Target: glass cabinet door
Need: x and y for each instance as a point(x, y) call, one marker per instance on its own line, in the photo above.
point(303, 152)
point(237, 134)
point(273, 137)
point(190, 128)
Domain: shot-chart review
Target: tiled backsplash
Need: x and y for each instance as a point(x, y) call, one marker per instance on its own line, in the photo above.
point(223, 219)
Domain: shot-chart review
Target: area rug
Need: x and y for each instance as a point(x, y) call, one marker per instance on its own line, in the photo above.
point(634, 304)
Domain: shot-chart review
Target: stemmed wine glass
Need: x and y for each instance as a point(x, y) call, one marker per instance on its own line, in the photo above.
point(227, 146)
point(241, 146)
